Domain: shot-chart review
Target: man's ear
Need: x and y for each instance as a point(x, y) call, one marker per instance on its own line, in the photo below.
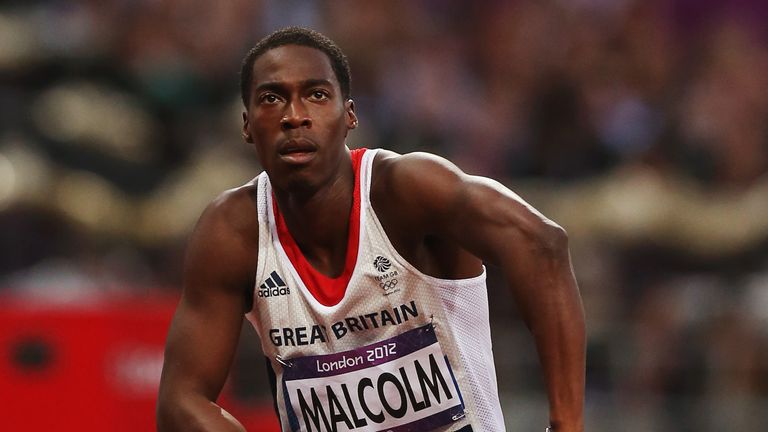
point(349, 107)
point(246, 134)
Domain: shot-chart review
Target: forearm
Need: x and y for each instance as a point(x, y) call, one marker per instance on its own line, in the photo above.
point(559, 333)
point(195, 414)
point(551, 306)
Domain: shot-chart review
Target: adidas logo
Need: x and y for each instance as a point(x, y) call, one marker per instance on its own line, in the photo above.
point(273, 286)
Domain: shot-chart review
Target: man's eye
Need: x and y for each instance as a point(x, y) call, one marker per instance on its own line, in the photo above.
point(268, 98)
point(319, 95)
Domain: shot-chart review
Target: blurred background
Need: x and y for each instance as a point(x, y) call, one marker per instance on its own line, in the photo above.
point(640, 126)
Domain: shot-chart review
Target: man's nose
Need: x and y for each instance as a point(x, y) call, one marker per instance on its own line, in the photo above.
point(296, 116)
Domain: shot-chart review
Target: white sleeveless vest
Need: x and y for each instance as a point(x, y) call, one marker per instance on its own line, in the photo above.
point(402, 351)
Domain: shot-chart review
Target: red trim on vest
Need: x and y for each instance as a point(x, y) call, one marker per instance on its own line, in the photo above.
point(326, 290)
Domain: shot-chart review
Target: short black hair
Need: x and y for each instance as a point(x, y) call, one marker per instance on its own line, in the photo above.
point(296, 36)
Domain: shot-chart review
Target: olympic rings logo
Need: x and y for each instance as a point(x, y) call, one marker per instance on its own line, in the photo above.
point(388, 285)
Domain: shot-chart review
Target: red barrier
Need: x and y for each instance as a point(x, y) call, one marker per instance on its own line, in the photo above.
point(89, 367)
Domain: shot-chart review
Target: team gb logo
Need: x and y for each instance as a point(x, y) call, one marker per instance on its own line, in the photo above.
point(382, 264)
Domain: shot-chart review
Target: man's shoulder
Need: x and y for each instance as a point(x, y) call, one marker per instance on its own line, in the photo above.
point(222, 250)
point(411, 167)
point(233, 213)
point(425, 184)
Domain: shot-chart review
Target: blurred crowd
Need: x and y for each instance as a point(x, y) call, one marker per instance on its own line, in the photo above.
point(640, 126)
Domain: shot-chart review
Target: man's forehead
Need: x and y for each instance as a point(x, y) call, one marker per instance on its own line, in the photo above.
point(293, 63)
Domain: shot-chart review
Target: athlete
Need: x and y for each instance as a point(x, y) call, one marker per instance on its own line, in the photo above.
point(362, 272)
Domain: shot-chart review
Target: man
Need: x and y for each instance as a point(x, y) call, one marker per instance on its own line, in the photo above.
point(362, 273)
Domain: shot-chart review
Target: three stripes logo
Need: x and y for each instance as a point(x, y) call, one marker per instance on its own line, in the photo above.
point(273, 286)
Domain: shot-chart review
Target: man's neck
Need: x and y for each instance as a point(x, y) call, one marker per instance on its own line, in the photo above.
point(318, 220)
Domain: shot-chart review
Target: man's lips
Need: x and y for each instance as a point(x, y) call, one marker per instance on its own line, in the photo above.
point(297, 151)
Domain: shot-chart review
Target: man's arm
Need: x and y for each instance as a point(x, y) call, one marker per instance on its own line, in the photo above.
point(496, 225)
point(219, 268)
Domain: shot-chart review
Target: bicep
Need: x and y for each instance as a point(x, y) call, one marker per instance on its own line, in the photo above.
point(497, 225)
point(531, 250)
point(479, 214)
point(205, 329)
point(201, 343)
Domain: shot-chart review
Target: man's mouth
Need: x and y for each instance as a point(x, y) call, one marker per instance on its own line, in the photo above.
point(297, 151)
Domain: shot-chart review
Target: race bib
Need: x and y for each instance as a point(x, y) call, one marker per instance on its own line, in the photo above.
point(400, 384)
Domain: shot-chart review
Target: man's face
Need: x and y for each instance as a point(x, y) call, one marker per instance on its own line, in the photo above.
point(296, 116)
